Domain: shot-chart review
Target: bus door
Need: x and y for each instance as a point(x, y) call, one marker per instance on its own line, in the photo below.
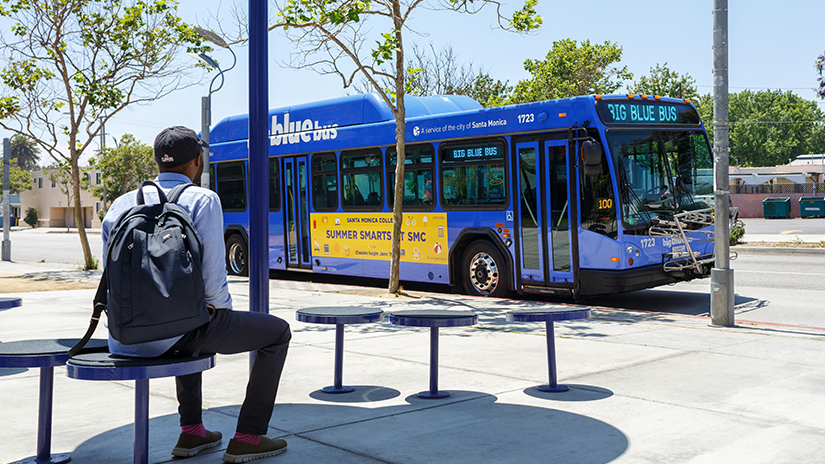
point(296, 209)
point(544, 214)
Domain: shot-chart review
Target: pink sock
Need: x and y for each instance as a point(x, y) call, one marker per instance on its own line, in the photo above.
point(247, 438)
point(196, 430)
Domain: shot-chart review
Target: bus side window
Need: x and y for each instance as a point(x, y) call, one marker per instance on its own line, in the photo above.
point(231, 183)
point(418, 177)
point(324, 182)
point(473, 175)
point(274, 184)
point(361, 175)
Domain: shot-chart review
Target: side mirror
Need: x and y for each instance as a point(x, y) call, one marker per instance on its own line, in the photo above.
point(591, 157)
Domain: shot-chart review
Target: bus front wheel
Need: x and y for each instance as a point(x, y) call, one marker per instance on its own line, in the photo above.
point(483, 271)
point(236, 256)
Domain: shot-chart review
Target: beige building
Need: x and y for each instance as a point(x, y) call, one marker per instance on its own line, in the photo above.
point(54, 207)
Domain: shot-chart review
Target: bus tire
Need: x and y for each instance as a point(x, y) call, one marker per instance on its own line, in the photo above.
point(237, 254)
point(483, 271)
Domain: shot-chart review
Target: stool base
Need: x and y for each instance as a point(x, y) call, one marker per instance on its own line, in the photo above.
point(553, 389)
point(428, 395)
point(334, 389)
point(53, 459)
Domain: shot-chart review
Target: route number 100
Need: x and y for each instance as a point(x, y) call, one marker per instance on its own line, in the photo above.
point(606, 203)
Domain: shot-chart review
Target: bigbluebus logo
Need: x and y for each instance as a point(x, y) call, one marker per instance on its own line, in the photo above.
point(291, 132)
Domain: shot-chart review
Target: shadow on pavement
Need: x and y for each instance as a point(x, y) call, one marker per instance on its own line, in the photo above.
point(362, 394)
point(576, 393)
point(470, 431)
point(11, 371)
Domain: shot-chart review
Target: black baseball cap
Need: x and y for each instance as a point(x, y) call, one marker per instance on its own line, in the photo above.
point(177, 145)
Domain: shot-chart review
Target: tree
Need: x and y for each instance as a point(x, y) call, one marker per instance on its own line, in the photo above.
point(769, 127)
point(667, 83)
point(123, 168)
point(19, 179)
point(26, 151)
point(61, 175)
point(570, 69)
point(820, 67)
point(431, 72)
point(71, 65)
point(332, 32)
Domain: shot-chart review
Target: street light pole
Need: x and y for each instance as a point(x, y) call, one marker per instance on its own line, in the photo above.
point(103, 153)
point(721, 276)
point(206, 102)
point(6, 253)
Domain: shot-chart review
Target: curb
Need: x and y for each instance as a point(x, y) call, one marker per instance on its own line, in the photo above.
point(751, 250)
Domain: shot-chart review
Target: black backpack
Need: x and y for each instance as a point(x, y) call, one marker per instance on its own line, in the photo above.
point(152, 286)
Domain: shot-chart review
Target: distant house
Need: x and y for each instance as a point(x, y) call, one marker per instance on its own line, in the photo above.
point(14, 202)
point(802, 177)
point(52, 206)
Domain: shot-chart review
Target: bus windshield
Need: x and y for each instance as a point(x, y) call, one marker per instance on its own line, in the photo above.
point(661, 173)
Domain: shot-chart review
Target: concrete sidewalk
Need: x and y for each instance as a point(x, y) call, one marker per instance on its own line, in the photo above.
point(644, 388)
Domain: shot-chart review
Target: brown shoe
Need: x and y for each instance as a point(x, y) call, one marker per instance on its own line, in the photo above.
point(238, 451)
point(190, 445)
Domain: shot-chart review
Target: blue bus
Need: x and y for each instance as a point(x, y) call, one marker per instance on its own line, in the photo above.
point(579, 197)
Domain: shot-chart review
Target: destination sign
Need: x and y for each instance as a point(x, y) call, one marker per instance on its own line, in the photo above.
point(473, 152)
point(646, 112)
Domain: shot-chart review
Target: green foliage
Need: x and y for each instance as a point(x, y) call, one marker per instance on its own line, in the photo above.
point(489, 92)
point(19, 180)
point(736, 234)
point(769, 127)
point(25, 151)
point(123, 168)
point(570, 69)
point(66, 67)
point(31, 217)
point(819, 64)
point(667, 83)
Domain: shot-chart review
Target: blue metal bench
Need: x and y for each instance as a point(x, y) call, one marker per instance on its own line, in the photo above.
point(44, 354)
point(106, 366)
point(549, 315)
point(339, 316)
point(8, 303)
point(433, 319)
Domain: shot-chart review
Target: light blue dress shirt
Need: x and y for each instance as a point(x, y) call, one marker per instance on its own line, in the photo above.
point(205, 208)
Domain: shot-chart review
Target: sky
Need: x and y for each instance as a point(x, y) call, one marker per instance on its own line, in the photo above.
point(773, 45)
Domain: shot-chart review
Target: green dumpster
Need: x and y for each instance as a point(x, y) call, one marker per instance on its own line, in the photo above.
point(775, 208)
point(812, 207)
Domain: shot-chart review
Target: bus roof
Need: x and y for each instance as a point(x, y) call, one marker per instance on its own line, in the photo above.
point(346, 111)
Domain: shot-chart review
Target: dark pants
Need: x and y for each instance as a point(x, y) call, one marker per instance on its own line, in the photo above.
point(232, 332)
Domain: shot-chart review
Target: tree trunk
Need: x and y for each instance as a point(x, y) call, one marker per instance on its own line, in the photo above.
point(78, 216)
point(400, 129)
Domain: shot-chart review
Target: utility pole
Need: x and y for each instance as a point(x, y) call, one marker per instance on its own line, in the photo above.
point(6, 201)
point(721, 276)
point(102, 154)
point(206, 116)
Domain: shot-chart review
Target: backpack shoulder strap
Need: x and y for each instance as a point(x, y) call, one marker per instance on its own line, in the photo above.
point(99, 307)
point(174, 194)
point(161, 195)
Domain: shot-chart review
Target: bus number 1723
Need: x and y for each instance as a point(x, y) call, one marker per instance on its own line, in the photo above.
point(524, 118)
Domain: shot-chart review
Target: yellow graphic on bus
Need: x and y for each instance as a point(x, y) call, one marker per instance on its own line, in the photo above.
point(369, 236)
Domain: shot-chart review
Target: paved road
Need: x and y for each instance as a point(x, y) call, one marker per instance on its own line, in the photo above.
point(782, 289)
point(52, 245)
point(798, 226)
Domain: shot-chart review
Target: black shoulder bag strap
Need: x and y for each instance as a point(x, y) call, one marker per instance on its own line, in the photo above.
point(174, 194)
point(100, 306)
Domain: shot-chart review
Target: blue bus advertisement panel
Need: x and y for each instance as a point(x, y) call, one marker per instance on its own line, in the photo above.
point(496, 200)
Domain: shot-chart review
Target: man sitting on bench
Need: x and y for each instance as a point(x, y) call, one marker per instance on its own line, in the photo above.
point(178, 154)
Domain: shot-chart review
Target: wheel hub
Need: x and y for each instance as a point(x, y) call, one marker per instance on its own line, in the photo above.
point(236, 258)
point(484, 273)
